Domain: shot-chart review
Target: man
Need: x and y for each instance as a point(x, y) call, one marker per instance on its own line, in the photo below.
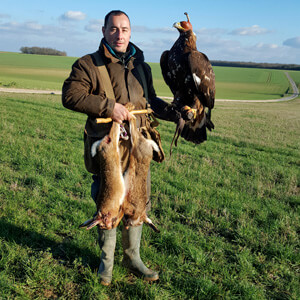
point(83, 92)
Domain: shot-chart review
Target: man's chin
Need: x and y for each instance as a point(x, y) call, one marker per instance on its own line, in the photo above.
point(119, 49)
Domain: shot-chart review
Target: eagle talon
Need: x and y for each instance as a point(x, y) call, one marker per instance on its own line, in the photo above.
point(189, 113)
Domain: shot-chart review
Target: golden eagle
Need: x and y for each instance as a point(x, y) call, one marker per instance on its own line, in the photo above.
point(190, 76)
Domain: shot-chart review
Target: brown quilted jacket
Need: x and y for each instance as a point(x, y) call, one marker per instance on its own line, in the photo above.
point(82, 91)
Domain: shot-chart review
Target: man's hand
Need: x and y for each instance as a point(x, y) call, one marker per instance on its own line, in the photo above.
point(120, 113)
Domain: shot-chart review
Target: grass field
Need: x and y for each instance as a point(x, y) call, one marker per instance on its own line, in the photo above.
point(34, 71)
point(228, 209)
point(48, 72)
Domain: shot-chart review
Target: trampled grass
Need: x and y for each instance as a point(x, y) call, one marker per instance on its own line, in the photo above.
point(48, 72)
point(228, 209)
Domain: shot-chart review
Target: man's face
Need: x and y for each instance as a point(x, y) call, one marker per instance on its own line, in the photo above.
point(117, 32)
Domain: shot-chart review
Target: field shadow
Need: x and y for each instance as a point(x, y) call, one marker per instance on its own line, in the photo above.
point(66, 251)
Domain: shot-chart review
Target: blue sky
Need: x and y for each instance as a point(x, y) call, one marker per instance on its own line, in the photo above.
point(253, 30)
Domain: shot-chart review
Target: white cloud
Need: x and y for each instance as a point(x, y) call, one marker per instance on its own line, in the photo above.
point(210, 31)
point(21, 28)
point(94, 26)
point(15, 30)
point(145, 29)
point(4, 16)
point(260, 52)
point(265, 46)
point(75, 42)
point(165, 29)
point(73, 16)
point(33, 26)
point(79, 40)
point(253, 30)
point(293, 42)
point(217, 48)
point(172, 30)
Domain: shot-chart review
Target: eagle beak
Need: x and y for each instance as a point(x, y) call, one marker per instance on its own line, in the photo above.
point(177, 25)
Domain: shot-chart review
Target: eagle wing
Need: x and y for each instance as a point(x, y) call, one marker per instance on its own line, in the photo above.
point(197, 90)
point(167, 73)
point(203, 86)
point(203, 78)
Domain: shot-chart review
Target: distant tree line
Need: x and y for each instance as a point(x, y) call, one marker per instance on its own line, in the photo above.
point(241, 64)
point(42, 51)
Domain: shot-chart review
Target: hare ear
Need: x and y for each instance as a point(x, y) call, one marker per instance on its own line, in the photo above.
point(149, 223)
point(153, 145)
point(86, 223)
point(89, 224)
point(95, 147)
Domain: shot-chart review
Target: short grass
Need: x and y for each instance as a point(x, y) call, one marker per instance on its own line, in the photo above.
point(296, 77)
point(34, 71)
point(48, 72)
point(228, 209)
point(251, 83)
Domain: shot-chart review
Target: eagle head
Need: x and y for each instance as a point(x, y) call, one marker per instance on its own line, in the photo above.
point(184, 26)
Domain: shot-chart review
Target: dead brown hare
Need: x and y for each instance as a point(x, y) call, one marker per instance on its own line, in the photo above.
point(122, 195)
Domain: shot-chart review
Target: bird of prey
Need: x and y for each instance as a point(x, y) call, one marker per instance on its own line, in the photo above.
point(190, 77)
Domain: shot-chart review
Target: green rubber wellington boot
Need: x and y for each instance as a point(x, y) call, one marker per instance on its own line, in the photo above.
point(131, 240)
point(107, 242)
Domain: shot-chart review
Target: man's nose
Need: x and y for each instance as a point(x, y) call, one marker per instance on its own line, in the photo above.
point(120, 34)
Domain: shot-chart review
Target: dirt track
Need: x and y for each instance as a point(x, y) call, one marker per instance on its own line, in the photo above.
point(287, 98)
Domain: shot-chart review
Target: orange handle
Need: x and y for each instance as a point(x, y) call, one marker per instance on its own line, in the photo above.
point(134, 112)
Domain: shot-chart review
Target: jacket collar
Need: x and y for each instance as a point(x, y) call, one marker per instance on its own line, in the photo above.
point(124, 58)
point(134, 53)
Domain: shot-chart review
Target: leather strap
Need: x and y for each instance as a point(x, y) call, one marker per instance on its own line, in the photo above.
point(105, 80)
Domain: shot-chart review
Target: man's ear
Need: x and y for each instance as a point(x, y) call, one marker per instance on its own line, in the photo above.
point(103, 29)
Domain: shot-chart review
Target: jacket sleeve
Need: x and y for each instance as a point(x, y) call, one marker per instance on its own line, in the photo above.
point(81, 93)
point(162, 109)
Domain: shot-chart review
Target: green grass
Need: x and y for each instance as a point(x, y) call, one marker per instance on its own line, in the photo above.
point(250, 83)
point(228, 209)
point(296, 77)
point(45, 62)
point(49, 72)
point(34, 71)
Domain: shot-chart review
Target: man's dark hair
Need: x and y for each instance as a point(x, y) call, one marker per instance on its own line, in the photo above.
point(114, 13)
